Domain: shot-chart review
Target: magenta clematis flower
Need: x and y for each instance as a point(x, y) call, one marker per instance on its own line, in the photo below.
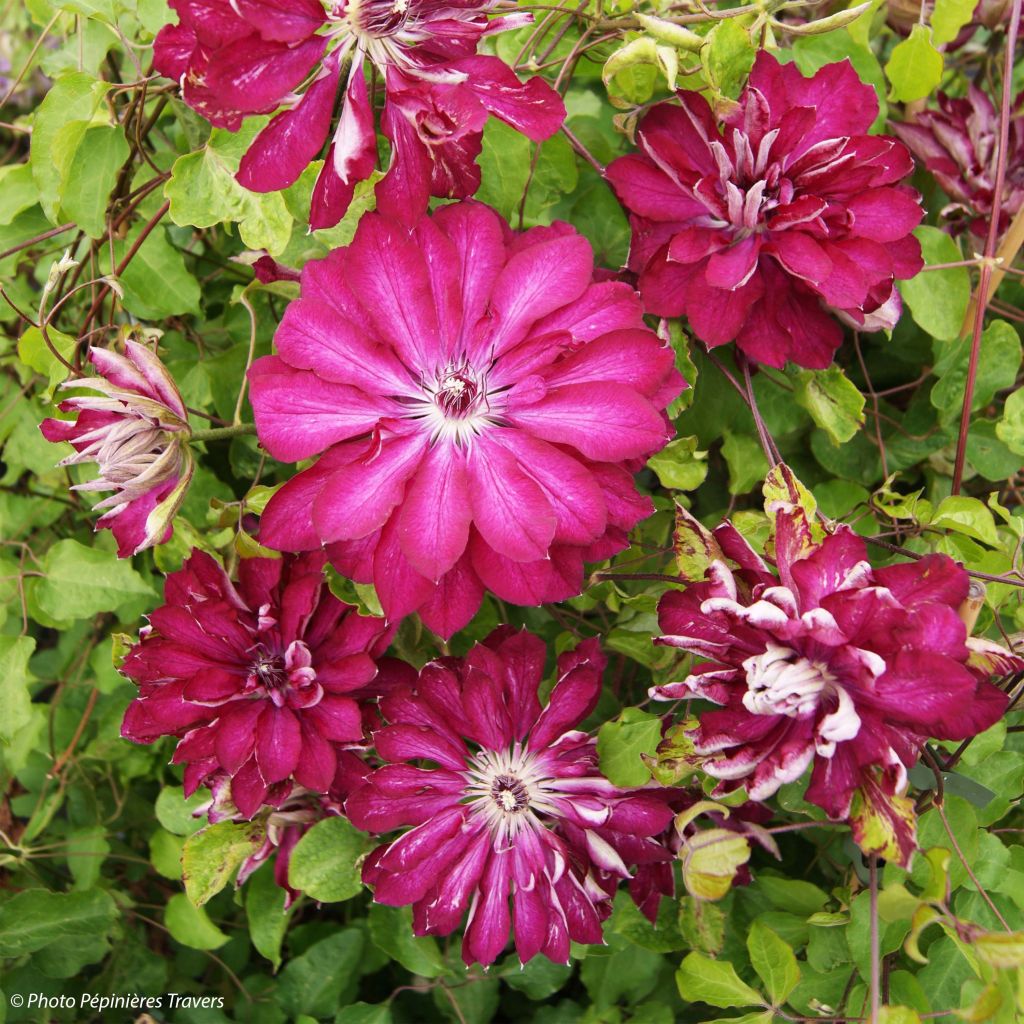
point(829, 663)
point(516, 808)
point(958, 144)
point(480, 405)
point(260, 679)
point(239, 57)
point(136, 431)
point(760, 234)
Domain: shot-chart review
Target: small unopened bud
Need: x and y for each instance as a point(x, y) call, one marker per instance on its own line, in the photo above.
point(971, 607)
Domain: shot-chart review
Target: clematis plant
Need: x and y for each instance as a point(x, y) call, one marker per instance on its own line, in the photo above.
point(959, 145)
point(256, 56)
point(260, 680)
point(773, 231)
point(478, 404)
point(136, 431)
point(823, 661)
point(515, 809)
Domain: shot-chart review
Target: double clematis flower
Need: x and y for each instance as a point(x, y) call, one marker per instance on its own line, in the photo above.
point(240, 57)
point(136, 431)
point(765, 233)
point(959, 145)
point(515, 812)
point(478, 404)
point(260, 680)
point(825, 662)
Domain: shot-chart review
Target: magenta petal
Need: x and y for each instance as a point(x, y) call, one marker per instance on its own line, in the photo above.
point(433, 524)
point(489, 923)
point(254, 75)
point(278, 744)
point(282, 151)
point(509, 509)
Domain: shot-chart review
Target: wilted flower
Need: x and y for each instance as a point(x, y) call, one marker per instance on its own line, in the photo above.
point(825, 662)
point(480, 404)
point(240, 57)
point(959, 145)
point(137, 433)
point(516, 806)
point(259, 679)
point(760, 234)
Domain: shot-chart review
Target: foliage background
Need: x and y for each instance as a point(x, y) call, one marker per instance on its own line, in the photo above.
point(101, 158)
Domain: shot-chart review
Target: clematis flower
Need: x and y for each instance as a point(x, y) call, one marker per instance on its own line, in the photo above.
point(479, 405)
point(958, 144)
point(515, 809)
point(136, 431)
point(826, 663)
point(240, 57)
point(761, 234)
point(260, 680)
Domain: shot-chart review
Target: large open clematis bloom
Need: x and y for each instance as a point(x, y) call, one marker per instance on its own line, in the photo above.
point(259, 679)
point(826, 662)
point(136, 431)
point(480, 404)
point(240, 57)
point(761, 233)
point(958, 144)
point(514, 808)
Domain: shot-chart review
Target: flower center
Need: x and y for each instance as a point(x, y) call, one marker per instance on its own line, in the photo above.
point(374, 19)
point(510, 794)
point(287, 678)
point(457, 393)
point(780, 682)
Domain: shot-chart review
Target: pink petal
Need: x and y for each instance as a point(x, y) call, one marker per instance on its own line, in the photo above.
point(278, 744)
point(254, 75)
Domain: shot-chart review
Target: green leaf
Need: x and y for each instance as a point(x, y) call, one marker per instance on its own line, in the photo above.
point(265, 912)
point(774, 962)
point(74, 96)
point(326, 861)
point(915, 66)
point(174, 812)
point(156, 282)
point(34, 918)
point(190, 925)
point(35, 353)
point(745, 458)
point(1010, 429)
point(968, 516)
point(80, 582)
point(203, 191)
point(701, 979)
point(948, 17)
point(833, 401)
point(15, 698)
point(538, 979)
point(91, 176)
point(212, 855)
point(391, 931)
point(622, 741)
point(728, 56)
point(17, 191)
point(628, 975)
point(323, 977)
point(938, 299)
point(86, 850)
point(365, 1013)
point(504, 168)
point(999, 359)
point(711, 858)
point(679, 465)
point(792, 894)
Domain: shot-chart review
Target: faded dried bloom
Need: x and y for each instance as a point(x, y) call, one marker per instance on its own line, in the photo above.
point(761, 233)
point(240, 57)
point(136, 431)
point(261, 680)
point(825, 662)
point(479, 405)
point(515, 810)
point(959, 145)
